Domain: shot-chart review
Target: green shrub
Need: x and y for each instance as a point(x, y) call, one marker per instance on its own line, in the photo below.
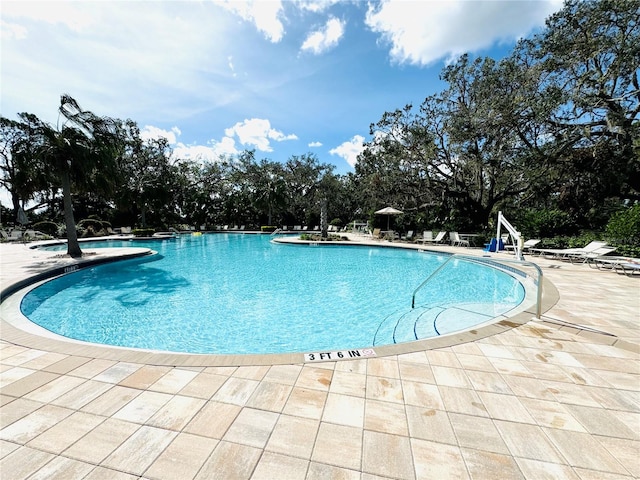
point(268, 228)
point(624, 227)
point(47, 227)
point(142, 232)
point(546, 223)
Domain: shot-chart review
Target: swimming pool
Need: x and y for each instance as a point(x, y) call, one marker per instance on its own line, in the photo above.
point(243, 294)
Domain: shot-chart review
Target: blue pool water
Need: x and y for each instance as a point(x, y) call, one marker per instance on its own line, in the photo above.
point(243, 294)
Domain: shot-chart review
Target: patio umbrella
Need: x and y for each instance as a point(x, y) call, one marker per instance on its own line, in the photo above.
point(388, 211)
point(22, 217)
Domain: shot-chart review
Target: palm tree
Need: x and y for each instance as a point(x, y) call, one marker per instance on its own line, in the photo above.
point(82, 152)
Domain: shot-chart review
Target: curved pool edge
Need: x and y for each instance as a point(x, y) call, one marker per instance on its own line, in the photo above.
point(12, 333)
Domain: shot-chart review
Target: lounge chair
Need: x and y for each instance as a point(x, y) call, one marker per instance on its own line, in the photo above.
point(532, 242)
point(427, 236)
point(628, 268)
point(456, 241)
point(438, 238)
point(609, 262)
point(584, 257)
point(376, 233)
point(408, 236)
point(561, 252)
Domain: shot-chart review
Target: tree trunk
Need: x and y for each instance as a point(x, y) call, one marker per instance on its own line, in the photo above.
point(73, 247)
point(323, 219)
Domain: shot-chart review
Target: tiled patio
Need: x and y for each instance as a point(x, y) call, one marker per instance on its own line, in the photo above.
point(556, 398)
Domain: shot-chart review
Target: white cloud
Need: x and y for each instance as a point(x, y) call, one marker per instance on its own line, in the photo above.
point(315, 144)
point(12, 30)
point(328, 37)
point(59, 12)
point(263, 14)
point(350, 150)
point(150, 132)
point(257, 132)
point(423, 32)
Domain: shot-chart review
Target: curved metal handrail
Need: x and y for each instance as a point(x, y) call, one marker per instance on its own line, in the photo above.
point(480, 260)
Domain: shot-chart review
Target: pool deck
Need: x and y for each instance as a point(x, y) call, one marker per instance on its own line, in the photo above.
point(551, 398)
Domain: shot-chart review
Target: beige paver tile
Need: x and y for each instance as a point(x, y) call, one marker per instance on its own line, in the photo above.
point(142, 407)
point(477, 432)
point(12, 374)
point(544, 470)
point(203, 385)
point(63, 434)
point(528, 387)
point(385, 389)
point(551, 414)
point(352, 366)
point(251, 427)
point(417, 372)
point(528, 441)
point(62, 468)
point(183, 458)
point(461, 400)
point(17, 409)
point(118, 372)
point(385, 417)
point(475, 362)
point(41, 362)
point(101, 441)
point(314, 378)
point(387, 455)
point(487, 382)
point(444, 357)
point(612, 399)
point(627, 452)
point(344, 410)
point(570, 393)
point(484, 465)
point(422, 395)
point(274, 465)
point(28, 383)
point(173, 381)
point(144, 377)
point(176, 413)
point(322, 471)
point(430, 424)
point(603, 422)
point(507, 366)
point(252, 372)
point(307, 403)
point(293, 436)
point(505, 407)
point(66, 364)
point(213, 420)
point(21, 356)
point(140, 450)
point(33, 424)
point(270, 396)
point(287, 374)
point(338, 445)
point(495, 351)
point(435, 460)
point(230, 460)
point(92, 368)
point(55, 388)
point(450, 377)
point(586, 474)
point(111, 401)
point(574, 445)
point(383, 367)
point(236, 391)
point(23, 462)
point(544, 371)
point(102, 473)
point(348, 383)
point(82, 394)
point(7, 447)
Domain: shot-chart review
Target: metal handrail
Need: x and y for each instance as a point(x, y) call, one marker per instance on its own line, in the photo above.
point(479, 259)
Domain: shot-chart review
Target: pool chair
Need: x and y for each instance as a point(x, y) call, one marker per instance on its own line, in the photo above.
point(628, 268)
point(456, 241)
point(437, 240)
point(532, 242)
point(609, 262)
point(408, 237)
point(584, 257)
point(562, 252)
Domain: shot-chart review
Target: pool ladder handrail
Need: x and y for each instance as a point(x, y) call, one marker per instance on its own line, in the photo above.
point(480, 260)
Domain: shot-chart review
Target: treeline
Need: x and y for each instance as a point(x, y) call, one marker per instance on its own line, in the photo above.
point(549, 135)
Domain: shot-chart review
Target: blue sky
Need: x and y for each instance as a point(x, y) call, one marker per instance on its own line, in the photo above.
point(218, 77)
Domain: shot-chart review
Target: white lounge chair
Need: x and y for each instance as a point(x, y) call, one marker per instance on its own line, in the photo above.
point(456, 241)
point(438, 238)
point(561, 252)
